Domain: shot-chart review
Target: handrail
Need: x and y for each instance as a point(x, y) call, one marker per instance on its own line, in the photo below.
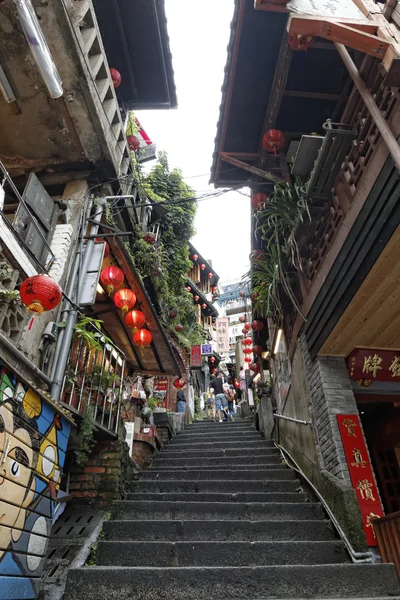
point(356, 557)
point(292, 419)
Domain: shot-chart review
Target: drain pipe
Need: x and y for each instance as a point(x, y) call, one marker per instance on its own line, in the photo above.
point(8, 345)
point(379, 120)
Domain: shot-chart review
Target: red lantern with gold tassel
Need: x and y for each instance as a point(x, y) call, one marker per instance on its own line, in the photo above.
point(257, 349)
point(195, 257)
point(135, 319)
point(273, 141)
point(300, 42)
point(133, 142)
point(210, 275)
point(179, 328)
point(212, 359)
point(40, 293)
point(179, 383)
point(247, 350)
point(202, 266)
point(248, 359)
point(257, 325)
point(142, 337)
point(204, 306)
point(125, 299)
point(258, 201)
point(111, 278)
point(196, 298)
point(115, 77)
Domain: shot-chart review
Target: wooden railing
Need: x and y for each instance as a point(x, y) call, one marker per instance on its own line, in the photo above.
point(387, 532)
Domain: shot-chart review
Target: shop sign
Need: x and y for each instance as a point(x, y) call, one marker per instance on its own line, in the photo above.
point(222, 327)
point(361, 474)
point(366, 366)
point(195, 356)
point(206, 349)
point(160, 391)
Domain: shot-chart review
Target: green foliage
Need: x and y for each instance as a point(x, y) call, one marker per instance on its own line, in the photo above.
point(85, 437)
point(198, 415)
point(86, 328)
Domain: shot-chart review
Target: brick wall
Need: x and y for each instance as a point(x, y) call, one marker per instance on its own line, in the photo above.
point(105, 475)
point(142, 453)
point(330, 394)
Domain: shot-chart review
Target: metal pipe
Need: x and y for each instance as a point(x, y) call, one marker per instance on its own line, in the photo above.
point(377, 117)
point(39, 48)
point(23, 359)
point(278, 416)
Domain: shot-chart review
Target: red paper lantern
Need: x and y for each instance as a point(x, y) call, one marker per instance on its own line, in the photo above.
point(111, 278)
point(273, 141)
point(258, 201)
point(133, 142)
point(195, 257)
point(106, 246)
point(188, 288)
point(247, 350)
point(204, 306)
point(196, 298)
point(142, 337)
point(237, 384)
point(212, 359)
point(115, 77)
point(300, 42)
point(125, 299)
point(256, 255)
point(179, 328)
point(135, 319)
point(213, 370)
point(210, 275)
point(40, 293)
point(248, 359)
point(257, 325)
point(242, 319)
point(179, 383)
point(248, 341)
point(172, 314)
point(214, 288)
point(150, 237)
point(255, 367)
point(246, 327)
point(202, 266)
point(257, 349)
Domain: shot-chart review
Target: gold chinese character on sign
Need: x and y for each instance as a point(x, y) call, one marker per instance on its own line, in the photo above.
point(370, 523)
point(350, 426)
point(358, 460)
point(372, 364)
point(395, 367)
point(365, 488)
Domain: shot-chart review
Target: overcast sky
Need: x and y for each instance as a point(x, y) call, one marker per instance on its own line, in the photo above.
point(199, 34)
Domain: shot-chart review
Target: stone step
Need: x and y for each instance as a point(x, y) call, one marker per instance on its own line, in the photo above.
point(215, 453)
point(228, 487)
point(221, 460)
point(221, 497)
point(191, 530)
point(238, 423)
point(215, 437)
point(229, 511)
point(223, 554)
point(218, 474)
point(226, 583)
point(230, 444)
point(166, 466)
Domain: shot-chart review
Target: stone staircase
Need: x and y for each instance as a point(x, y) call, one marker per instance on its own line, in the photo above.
point(219, 516)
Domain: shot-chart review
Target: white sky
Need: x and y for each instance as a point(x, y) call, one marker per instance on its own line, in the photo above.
point(199, 34)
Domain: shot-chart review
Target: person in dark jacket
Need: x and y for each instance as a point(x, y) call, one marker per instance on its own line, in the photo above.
point(180, 402)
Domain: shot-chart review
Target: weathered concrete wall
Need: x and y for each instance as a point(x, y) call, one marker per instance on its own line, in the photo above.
point(33, 442)
point(319, 390)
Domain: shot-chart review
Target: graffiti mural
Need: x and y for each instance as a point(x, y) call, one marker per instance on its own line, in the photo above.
point(33, 443)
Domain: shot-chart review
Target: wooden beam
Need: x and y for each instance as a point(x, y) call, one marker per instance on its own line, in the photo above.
point(270, 6)
point(311, 95)
point(254, 170)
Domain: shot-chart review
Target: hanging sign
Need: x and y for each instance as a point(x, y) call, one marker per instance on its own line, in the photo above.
point(366, 366)
point(195, 356)
point(161, 391)
point(206, 349)
point(222, 327)
point(361, 474)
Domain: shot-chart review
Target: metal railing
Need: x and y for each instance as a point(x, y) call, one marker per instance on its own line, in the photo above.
point(292, 419)
point(94, 380)
point(387, 532)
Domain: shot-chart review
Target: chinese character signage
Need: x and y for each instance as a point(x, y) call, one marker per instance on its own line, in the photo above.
point(366, 366)
point(206, 349)
point(361, 475)
point(195, 356)
point(222, 327)
point(161, 391)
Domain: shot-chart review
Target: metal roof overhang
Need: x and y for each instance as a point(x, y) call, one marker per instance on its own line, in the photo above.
point(156, 359)
point(210, 311)
point(268, 85)
point(201, 259)
point(135, 37)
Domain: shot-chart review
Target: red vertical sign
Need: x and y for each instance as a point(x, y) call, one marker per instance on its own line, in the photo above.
point(361, 474)
point(161, 389)
point(195, 356)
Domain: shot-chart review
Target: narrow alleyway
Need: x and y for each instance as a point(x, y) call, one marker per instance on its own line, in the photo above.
point(219, 516)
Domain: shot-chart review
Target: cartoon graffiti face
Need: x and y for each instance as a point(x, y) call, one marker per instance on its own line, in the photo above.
point(17, 485)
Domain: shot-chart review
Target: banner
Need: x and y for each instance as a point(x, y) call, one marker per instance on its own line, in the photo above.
point(222, 327)
point(161, 391)
point(361, 474)
point(195, 356)
point(366, 366)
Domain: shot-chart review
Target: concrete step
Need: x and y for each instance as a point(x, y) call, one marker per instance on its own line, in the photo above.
point(206, 425)
point(215, 437)
point(250, 531)
point(215, 453)
point(226, 583)
point(231, 444)
point(210, 497)
point(229, 511)
point(195, 462)
point(223, 554)
point(164, 466)
point(219, 474)
point(205, 486)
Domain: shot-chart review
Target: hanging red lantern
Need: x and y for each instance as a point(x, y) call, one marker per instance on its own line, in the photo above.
point(125, 299)
point(195, 257)
point(246, 327)
point(196, 298)
point(135, 319)
point(242, 319)
point(237, 384)
point(115, 77)
point(210, 275)
point(214, 289)
point(257, 349)
point(111, 278)
point(188, 288)
point(106, 246)
point(40, 293)
point(212, 359)
point(204, 306)
point(179, 328)
point(213, 371)
point(248, 341)
point(248, 359)
point(179, 383)
point(150, 237)
point(202, 266)
point(172, 314)
point(256, 255)
point(255, 367)
point(133, 142)
point(258, 201)
point(257, 325)
point(247, 350)
point(142, 337)
point(273, 141)
point(300, 42)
